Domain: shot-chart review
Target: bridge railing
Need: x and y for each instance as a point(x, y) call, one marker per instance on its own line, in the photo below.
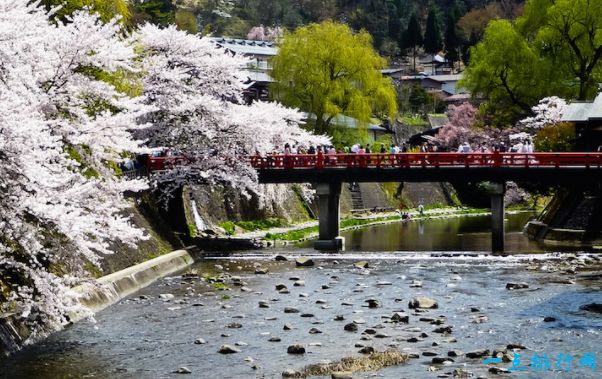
point(401, 160)
point(424, 160)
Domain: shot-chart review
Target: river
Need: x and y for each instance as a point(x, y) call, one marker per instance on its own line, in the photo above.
point(151, 336)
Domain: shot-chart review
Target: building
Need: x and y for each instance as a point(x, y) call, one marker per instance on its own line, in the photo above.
point(374, 131)
point(260, 52)
point(587, 117)
point(258, 70)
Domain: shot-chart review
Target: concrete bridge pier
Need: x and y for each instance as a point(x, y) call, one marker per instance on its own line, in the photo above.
point(497, 191)
point(329, 217)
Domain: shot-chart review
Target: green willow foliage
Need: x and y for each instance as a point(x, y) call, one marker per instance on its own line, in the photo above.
point(107, 9)
point(555, 48)
point(326, 69)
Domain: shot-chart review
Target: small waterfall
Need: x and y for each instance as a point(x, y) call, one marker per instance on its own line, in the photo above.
point(198, 221)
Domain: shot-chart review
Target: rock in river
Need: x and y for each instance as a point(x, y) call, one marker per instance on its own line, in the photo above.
point(593, 307)
point(477, 354)
point(290, 373)
point(227, 349)
point(373, 303)
point(516, 286)
point(200, 341)
point(351, 327)
point(423, 302)
point(296, 349)
point(461, 373)
point(304, 262)
point(342, 375)
point(183, 370)
point(400, 317)
point(290, 310)
point(280, 287)
point(361, 264)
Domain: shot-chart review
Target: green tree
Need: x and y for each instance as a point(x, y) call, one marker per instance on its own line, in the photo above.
point(107, 9)
point(452, 42)
point(327, 70)
point(412, 37)
point(432, 35)
point(569, 32)
point(504, 68)
point(161, 12)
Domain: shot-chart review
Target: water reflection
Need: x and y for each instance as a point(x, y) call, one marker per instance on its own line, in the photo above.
point(466, 233)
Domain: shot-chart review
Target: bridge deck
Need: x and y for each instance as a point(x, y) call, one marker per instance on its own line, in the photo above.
point(563, 168)
point(541, 167)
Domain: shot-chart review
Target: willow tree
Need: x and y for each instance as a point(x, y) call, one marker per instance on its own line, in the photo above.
point(327, 70)
point(569, 33)
point(106, 9)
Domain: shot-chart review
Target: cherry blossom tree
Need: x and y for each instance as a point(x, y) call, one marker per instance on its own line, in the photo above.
point(459, 128)
point(66, 117)
point(53, 218)
point(195, 90)
point(263, 33)
point(548, 112)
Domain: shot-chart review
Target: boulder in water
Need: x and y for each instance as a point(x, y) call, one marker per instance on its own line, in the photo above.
point(304, 262)
point(593, 307)
point(296, 349)
point(227, 349)
point(516, 286)
point(423, 302)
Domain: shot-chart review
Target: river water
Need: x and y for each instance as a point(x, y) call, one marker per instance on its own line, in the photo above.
point(146, 336)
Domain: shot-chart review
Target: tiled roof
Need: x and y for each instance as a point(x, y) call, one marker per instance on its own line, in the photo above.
point(584, 111)
point(245, 46)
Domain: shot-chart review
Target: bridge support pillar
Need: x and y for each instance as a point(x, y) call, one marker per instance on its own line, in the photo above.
point(497, 191)
point(329, 217)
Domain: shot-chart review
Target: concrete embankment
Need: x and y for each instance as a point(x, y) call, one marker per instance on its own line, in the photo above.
point(111, 288)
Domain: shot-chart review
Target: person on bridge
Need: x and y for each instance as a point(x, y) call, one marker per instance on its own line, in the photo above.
point(464, 148)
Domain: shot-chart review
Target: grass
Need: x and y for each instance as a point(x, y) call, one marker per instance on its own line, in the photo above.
point(295, 235)
point(253, 225)
point(220, 286)
point(373, 362)
point(412, 121)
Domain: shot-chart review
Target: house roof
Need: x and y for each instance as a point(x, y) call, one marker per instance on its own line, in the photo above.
point(428, 58)
point(446, 78)
point(584, 111)
point(437, 121)
point(245, 46)
point(348, 122)
point(389, 71)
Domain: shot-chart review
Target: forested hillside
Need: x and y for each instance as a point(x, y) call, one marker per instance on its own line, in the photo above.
point(386, 20)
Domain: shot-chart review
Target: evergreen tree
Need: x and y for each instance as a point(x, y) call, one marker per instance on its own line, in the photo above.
point(412, 38)
point(161, 12)
point(433, 41)
point(452, 42)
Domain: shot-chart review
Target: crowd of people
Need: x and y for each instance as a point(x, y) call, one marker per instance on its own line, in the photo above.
point(523, 146)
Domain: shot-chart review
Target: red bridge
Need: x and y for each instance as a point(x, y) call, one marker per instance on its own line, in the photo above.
point(328, 171)
point(544, 167)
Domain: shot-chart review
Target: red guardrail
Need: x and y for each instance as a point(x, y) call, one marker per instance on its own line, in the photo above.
point(423, 160)
point(403, 160)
